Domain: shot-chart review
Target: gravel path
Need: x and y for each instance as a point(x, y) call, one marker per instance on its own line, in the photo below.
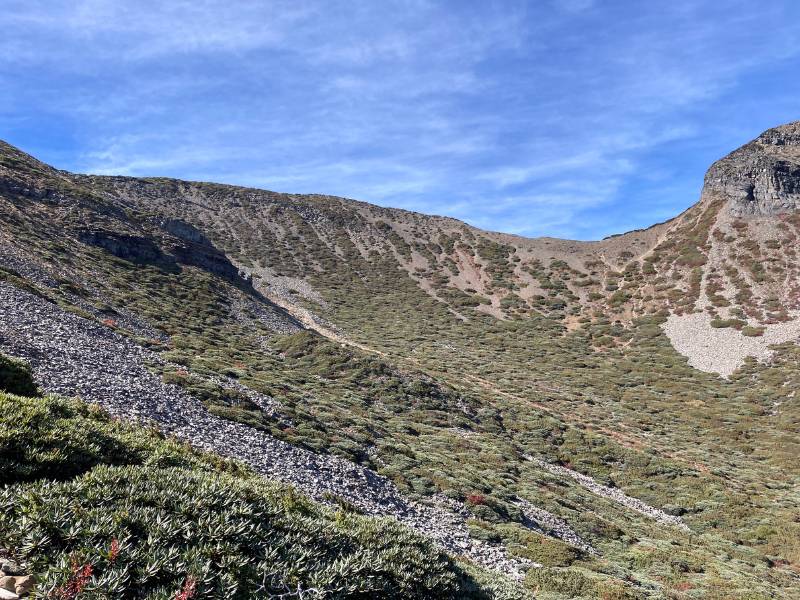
point(548, 524)
point(73, 356)
point(611, 493)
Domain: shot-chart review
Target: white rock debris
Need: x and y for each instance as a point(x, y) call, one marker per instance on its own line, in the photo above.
point(549, 524)
point(611, 493)
point(723, 350)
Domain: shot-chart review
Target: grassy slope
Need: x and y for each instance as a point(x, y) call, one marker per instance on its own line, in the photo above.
point(662, 431)
point(673, 436)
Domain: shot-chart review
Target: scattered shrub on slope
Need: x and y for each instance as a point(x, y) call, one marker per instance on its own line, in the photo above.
point(49, 438)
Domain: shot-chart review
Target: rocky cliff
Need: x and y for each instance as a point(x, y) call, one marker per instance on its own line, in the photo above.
point(761, 178)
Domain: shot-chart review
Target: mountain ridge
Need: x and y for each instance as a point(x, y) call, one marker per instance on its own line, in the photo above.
point(675, 266)
point(780, 136)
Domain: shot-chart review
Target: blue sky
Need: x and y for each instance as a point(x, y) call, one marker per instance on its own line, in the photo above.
point(572, 118)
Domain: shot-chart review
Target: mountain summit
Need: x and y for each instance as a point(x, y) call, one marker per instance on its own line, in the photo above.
point(762, 177)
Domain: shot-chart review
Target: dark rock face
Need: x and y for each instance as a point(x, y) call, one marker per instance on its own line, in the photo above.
point(185, 245)
point(195, 249)
point(206, 257)
point(12, 188)
point(761, 178)
point(128, 247)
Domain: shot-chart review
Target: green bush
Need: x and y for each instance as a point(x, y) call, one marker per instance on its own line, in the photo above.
point(548, 552)
point(752, 331)
point(60, 439)
point(16, 377)
point(573, 584)
point(236, 538)
point(723, 323)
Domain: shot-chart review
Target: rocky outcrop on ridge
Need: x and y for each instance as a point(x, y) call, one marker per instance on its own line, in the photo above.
point(762, 178)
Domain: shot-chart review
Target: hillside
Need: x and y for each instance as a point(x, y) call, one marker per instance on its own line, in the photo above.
point(92, 505)
point(613, 418)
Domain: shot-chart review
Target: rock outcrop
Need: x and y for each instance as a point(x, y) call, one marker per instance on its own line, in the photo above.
point(14, 583)
point(761, 178)
point(128, 247)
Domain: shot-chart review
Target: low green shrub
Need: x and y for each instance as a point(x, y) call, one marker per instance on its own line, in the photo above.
point(16, 377)
point(723, 323)
point(235, 538)
point(548, 552)
point(50, 438)
point(752, 331)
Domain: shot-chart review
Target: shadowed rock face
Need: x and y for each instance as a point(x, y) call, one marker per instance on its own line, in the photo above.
point(185, 245)
point(121, 245)
point(762, 177)
point(194, 248)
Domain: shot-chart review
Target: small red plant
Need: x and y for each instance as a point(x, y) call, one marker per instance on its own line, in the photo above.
point(188, 590)
point(476, 499)
point(78, 579)
point(113, 551)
